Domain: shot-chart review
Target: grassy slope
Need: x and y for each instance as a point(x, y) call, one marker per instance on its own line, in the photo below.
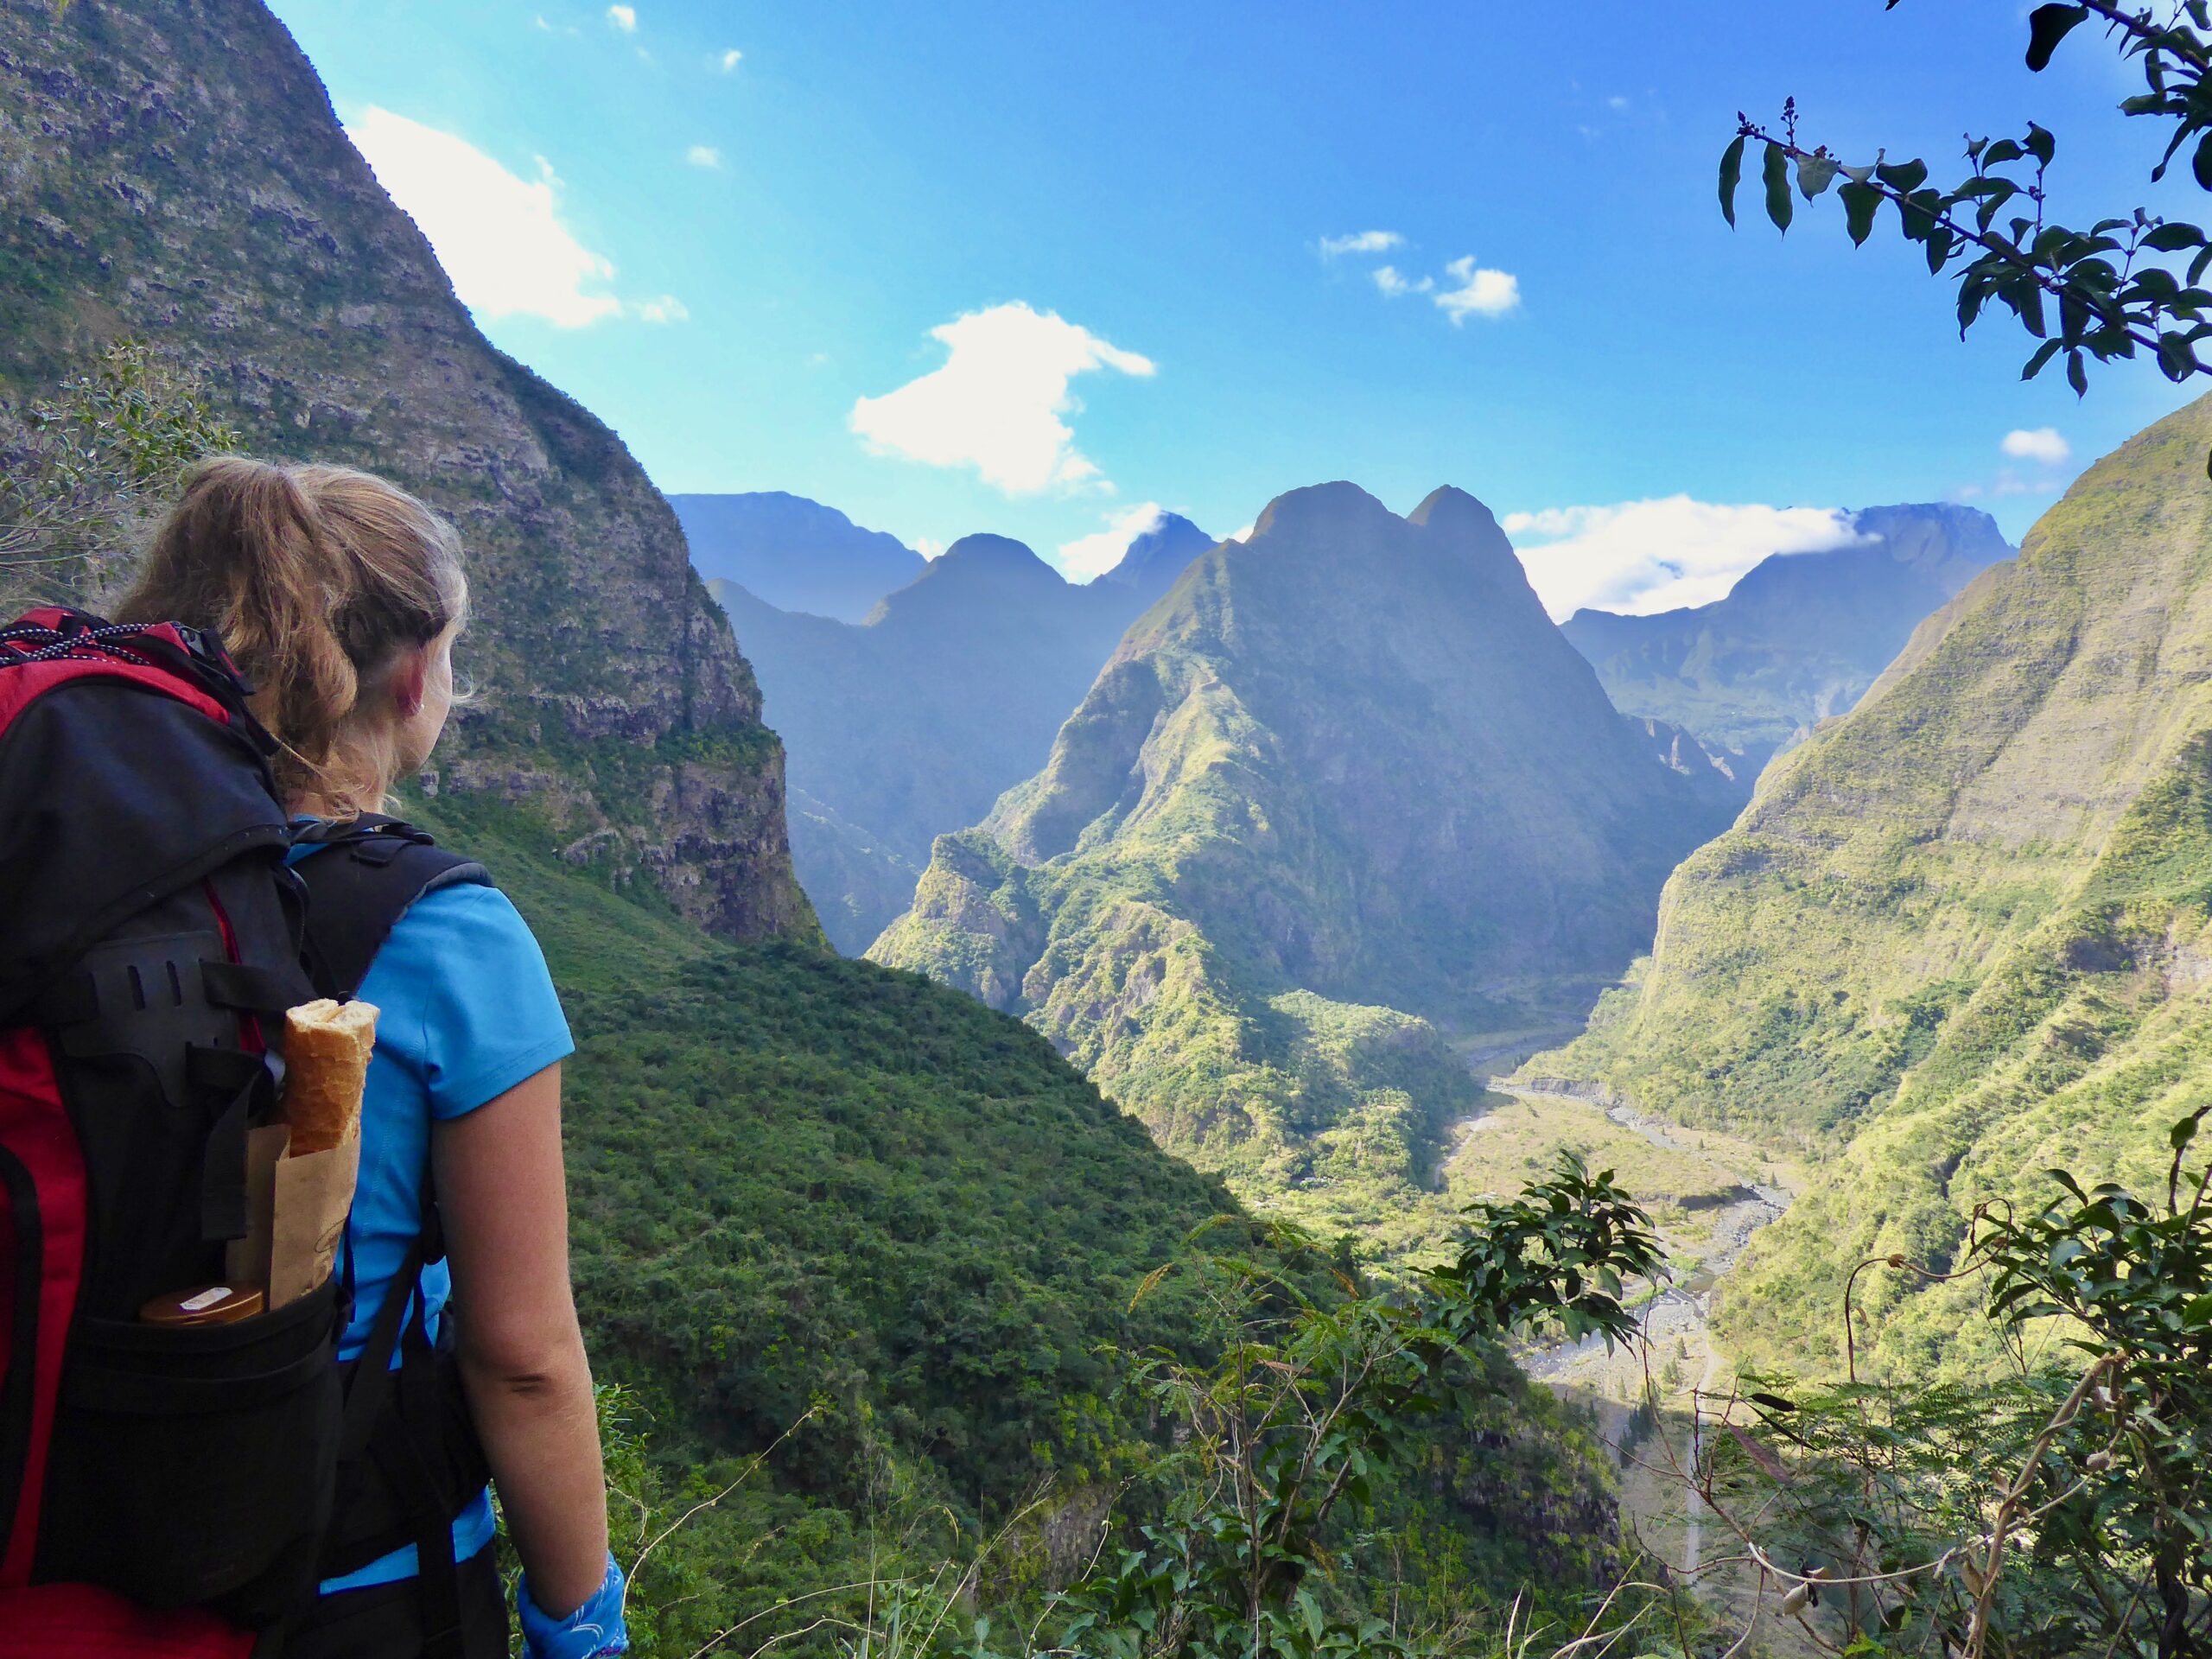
point(1958, 938)
point(794, 1175)
point(802, 1185)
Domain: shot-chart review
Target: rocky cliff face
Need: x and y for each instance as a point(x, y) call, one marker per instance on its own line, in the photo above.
point(175, 172)
point(1960, 935)
point(1797, 640)
point(1344, 784)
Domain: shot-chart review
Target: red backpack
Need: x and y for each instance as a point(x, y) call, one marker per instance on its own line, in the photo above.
point(169, 1489)
point(150, 928)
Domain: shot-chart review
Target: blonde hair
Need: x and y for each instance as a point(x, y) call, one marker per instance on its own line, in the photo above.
point(315, 579)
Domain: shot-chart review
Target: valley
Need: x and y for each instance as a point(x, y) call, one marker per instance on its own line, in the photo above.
point(1054, 1052)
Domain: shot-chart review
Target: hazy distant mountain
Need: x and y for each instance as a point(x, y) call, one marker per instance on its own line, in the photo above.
point(1157, 557)
point(795, 554)
point(1799, 638)
point(909, 725)
point(1345, 779)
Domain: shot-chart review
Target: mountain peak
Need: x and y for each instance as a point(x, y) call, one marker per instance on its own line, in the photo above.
point(1318, 509)
point(1152, 561)
point(984, 552)
point(1450, 508)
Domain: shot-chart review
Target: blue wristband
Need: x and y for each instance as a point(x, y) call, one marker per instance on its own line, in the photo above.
point(594, 1629)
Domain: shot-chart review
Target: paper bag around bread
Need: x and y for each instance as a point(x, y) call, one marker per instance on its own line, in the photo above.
point(327, 1050)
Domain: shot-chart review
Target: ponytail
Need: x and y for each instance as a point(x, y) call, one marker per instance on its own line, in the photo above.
point(315, 579)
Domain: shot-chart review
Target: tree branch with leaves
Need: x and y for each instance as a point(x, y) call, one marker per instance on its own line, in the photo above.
point(2112, 292)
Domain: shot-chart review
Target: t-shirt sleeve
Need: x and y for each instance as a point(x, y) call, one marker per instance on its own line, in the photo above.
point(489, 1015)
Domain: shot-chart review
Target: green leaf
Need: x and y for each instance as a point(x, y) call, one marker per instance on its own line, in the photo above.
point(1859, 202)
point(1775, 174)
point(1904, 177)
point(2047, 27)
point(1814, 175)
point(2043, 354)
point(2200, 163)
point(1732, 174)
point(2077, 376)
point(2173, 238)
point(2039, 143)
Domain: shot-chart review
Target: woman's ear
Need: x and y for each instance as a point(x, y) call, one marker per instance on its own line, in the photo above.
point(409, 674)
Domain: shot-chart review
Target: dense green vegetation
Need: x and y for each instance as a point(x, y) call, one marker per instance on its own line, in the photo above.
point(885, 1240)
point(798, 1177)
point(1297, 832)
point(1959, 936)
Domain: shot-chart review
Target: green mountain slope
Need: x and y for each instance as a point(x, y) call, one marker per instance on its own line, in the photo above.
point(141, 194)
point(793, 1175)
point(809, 1190)
point(1344, 784)
point(1959, 936)
point(1798, 639)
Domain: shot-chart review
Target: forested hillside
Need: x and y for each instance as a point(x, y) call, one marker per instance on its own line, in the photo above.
point(815, 1196)
point(1959, 936)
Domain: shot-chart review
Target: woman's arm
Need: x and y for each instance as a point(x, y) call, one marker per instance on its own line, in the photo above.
point(504, 1200)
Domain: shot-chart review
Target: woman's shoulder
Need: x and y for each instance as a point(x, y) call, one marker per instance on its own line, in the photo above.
point(461, 925)
point(464, 974)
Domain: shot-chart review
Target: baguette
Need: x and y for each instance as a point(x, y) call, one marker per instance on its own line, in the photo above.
point(326, 1048)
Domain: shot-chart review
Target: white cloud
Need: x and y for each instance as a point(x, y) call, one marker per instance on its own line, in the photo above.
point(1361, 242)
point(623, 18)
point(1616, 103)
point(997, 401)
point(1245, 534)
point(667, 309)
point(1394, 282)
point(1642, 557)
point(1482, 291)
point(2043, 444)
point(928, 546)
point(729, 60)
point(703, 156)
point(1094, 556)
point(500, 237)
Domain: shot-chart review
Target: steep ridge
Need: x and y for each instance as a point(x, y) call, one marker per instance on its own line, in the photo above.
point(1959, 936)
point(910, 725)
point(141, 194)
point(1797, 640)
point(794, 554)
point(1345, 781)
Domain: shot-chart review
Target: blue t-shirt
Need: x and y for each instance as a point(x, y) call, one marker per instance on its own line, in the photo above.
point(466, 1011)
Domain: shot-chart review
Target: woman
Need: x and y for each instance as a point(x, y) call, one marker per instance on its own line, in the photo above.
point(339, 596)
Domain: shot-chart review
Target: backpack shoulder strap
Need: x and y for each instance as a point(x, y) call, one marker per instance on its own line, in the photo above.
point(373, 871)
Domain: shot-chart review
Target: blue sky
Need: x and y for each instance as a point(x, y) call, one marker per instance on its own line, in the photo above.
point(743, 234)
